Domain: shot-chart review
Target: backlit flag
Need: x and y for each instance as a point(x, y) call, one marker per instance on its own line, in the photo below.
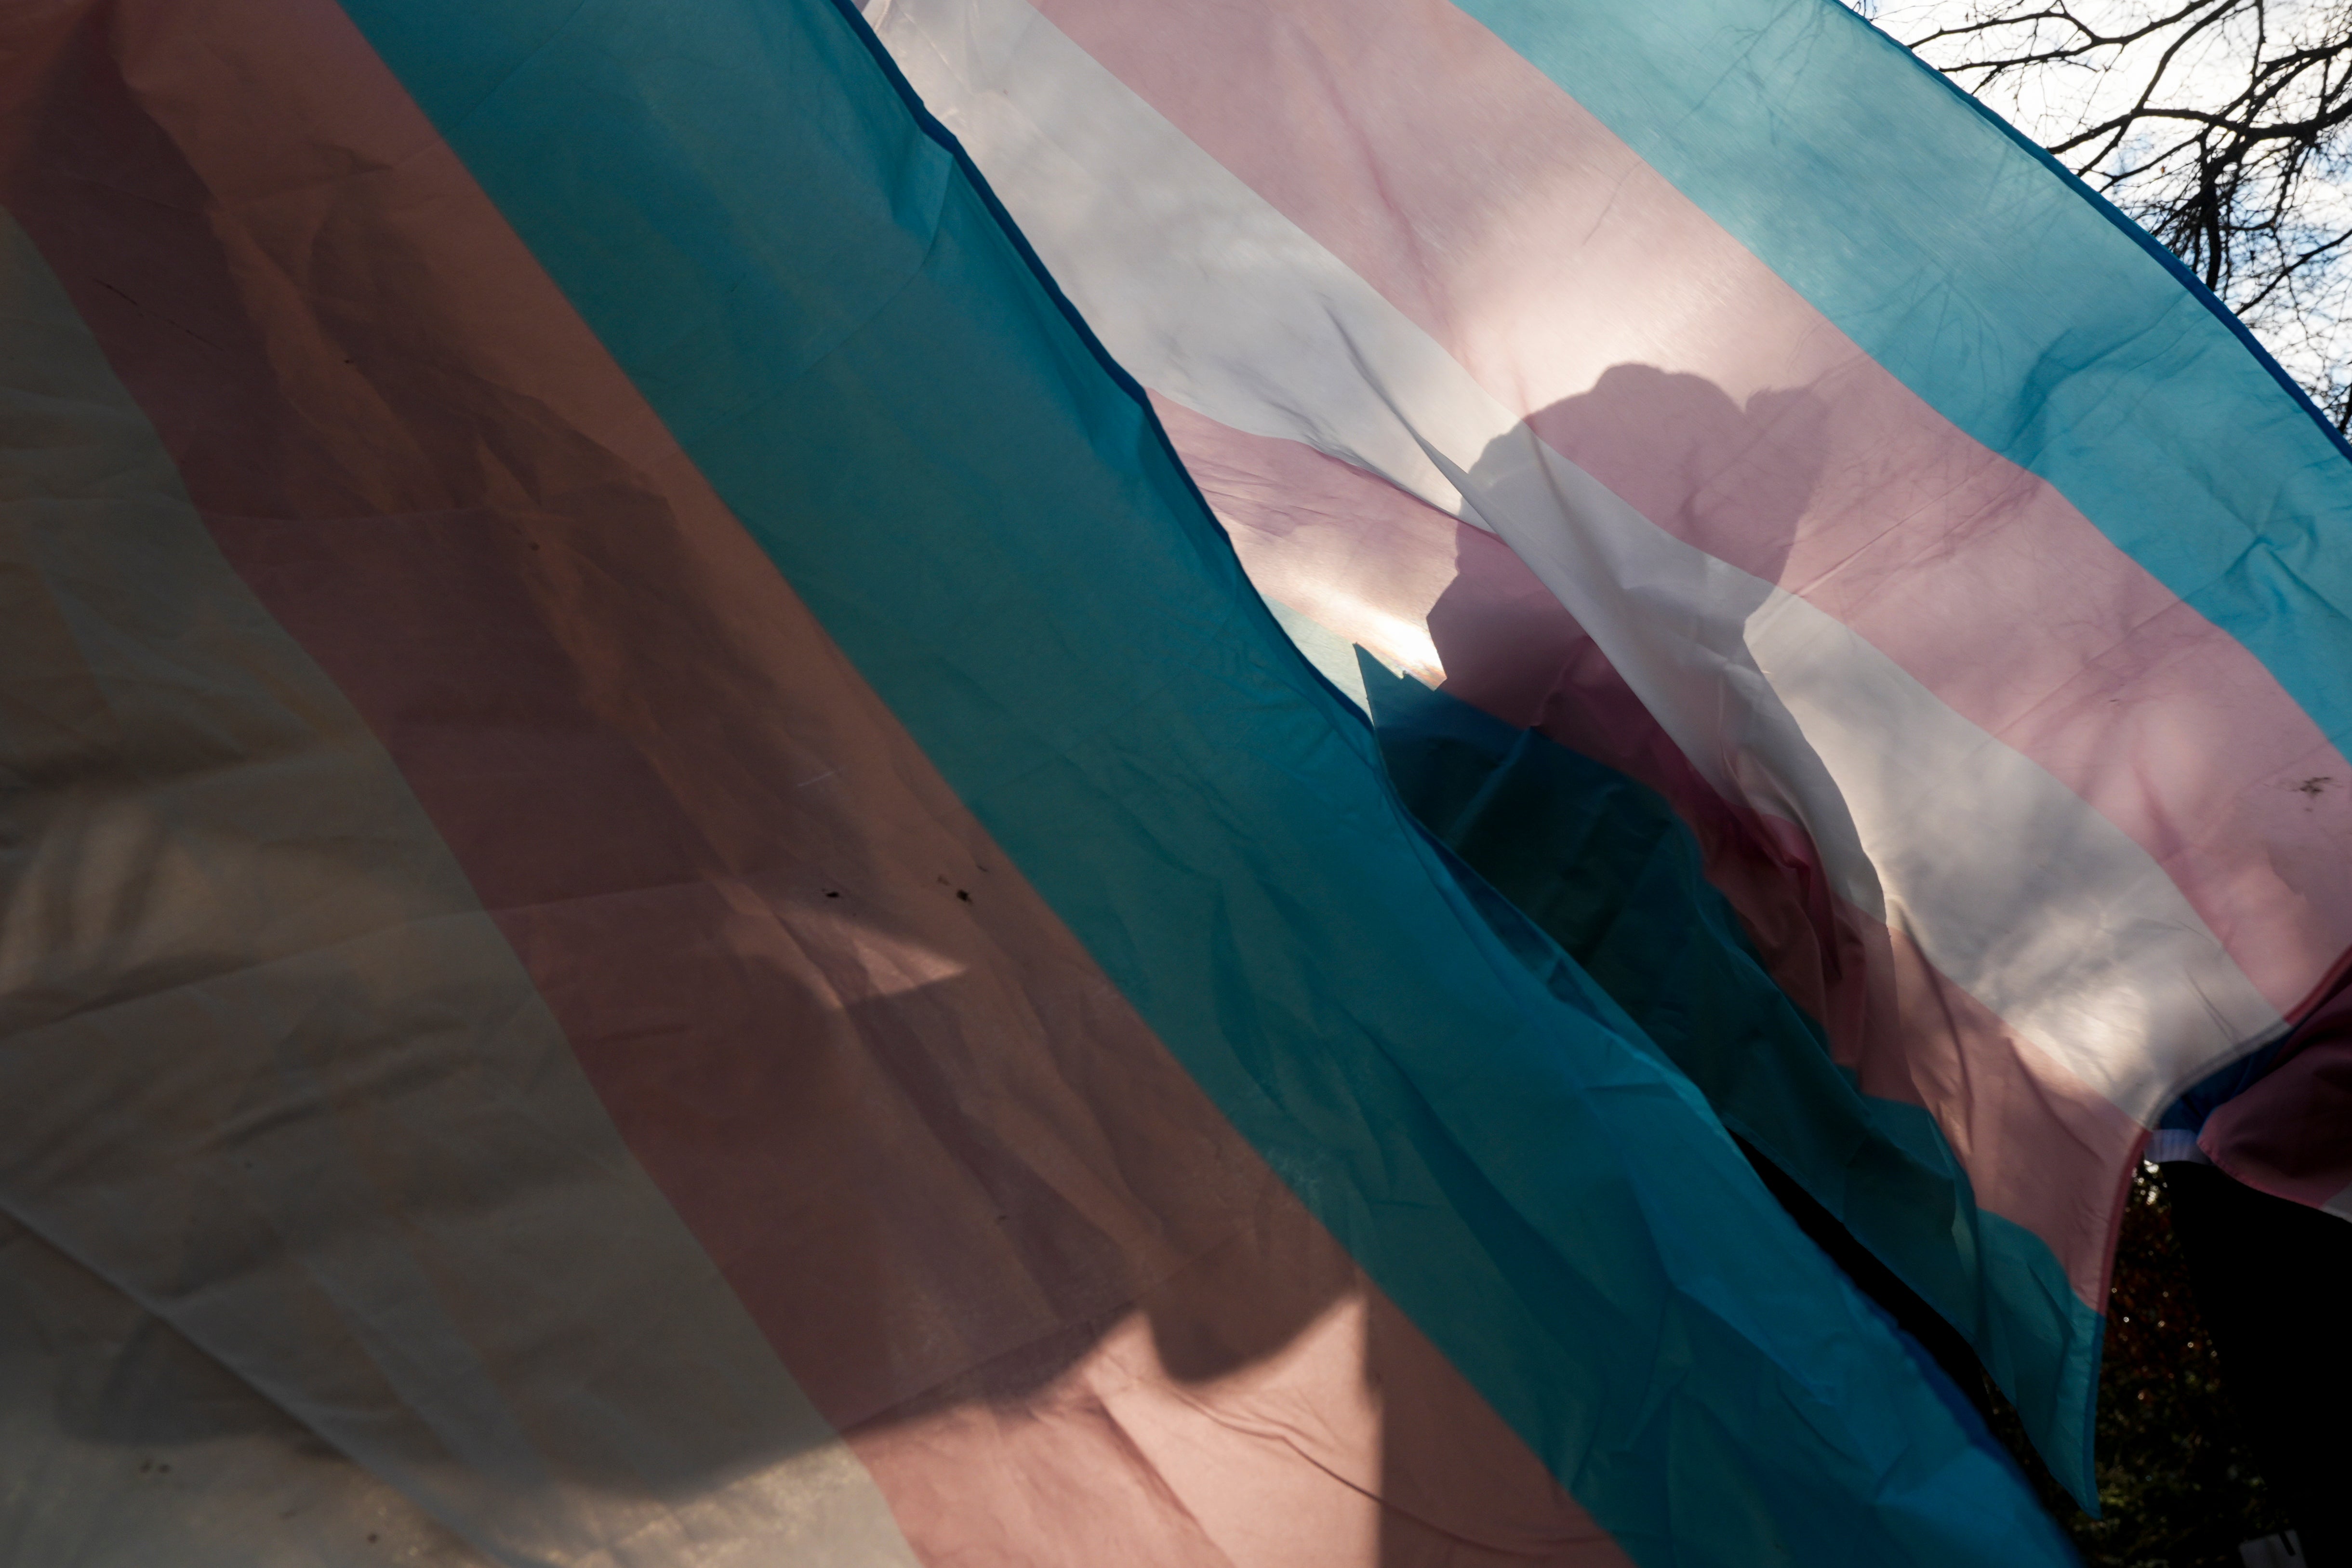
point(1712, 388)
point(668, 902)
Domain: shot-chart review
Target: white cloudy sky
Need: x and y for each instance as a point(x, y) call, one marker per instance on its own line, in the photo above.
point(2050, 103)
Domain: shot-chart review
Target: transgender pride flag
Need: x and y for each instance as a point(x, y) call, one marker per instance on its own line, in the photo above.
point(1709, 387)
point(668, 904)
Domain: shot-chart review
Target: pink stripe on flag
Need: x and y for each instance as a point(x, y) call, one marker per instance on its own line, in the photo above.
point(1646, 345)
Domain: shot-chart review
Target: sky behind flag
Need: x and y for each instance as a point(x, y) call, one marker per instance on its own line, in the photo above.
point(2291, 286)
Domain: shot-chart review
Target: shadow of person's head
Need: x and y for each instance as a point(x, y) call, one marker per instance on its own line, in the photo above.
point(1733, 478)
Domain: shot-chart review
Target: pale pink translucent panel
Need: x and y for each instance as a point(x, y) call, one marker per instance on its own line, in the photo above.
point(1644, 344)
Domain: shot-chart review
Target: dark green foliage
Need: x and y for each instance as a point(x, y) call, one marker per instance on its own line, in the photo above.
point(2177, 1483)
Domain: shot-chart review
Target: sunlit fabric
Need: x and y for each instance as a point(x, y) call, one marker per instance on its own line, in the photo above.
point(670, 904)
point(1938, 573)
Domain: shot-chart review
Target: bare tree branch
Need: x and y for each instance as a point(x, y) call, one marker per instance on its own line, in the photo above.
point(2224, 127)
